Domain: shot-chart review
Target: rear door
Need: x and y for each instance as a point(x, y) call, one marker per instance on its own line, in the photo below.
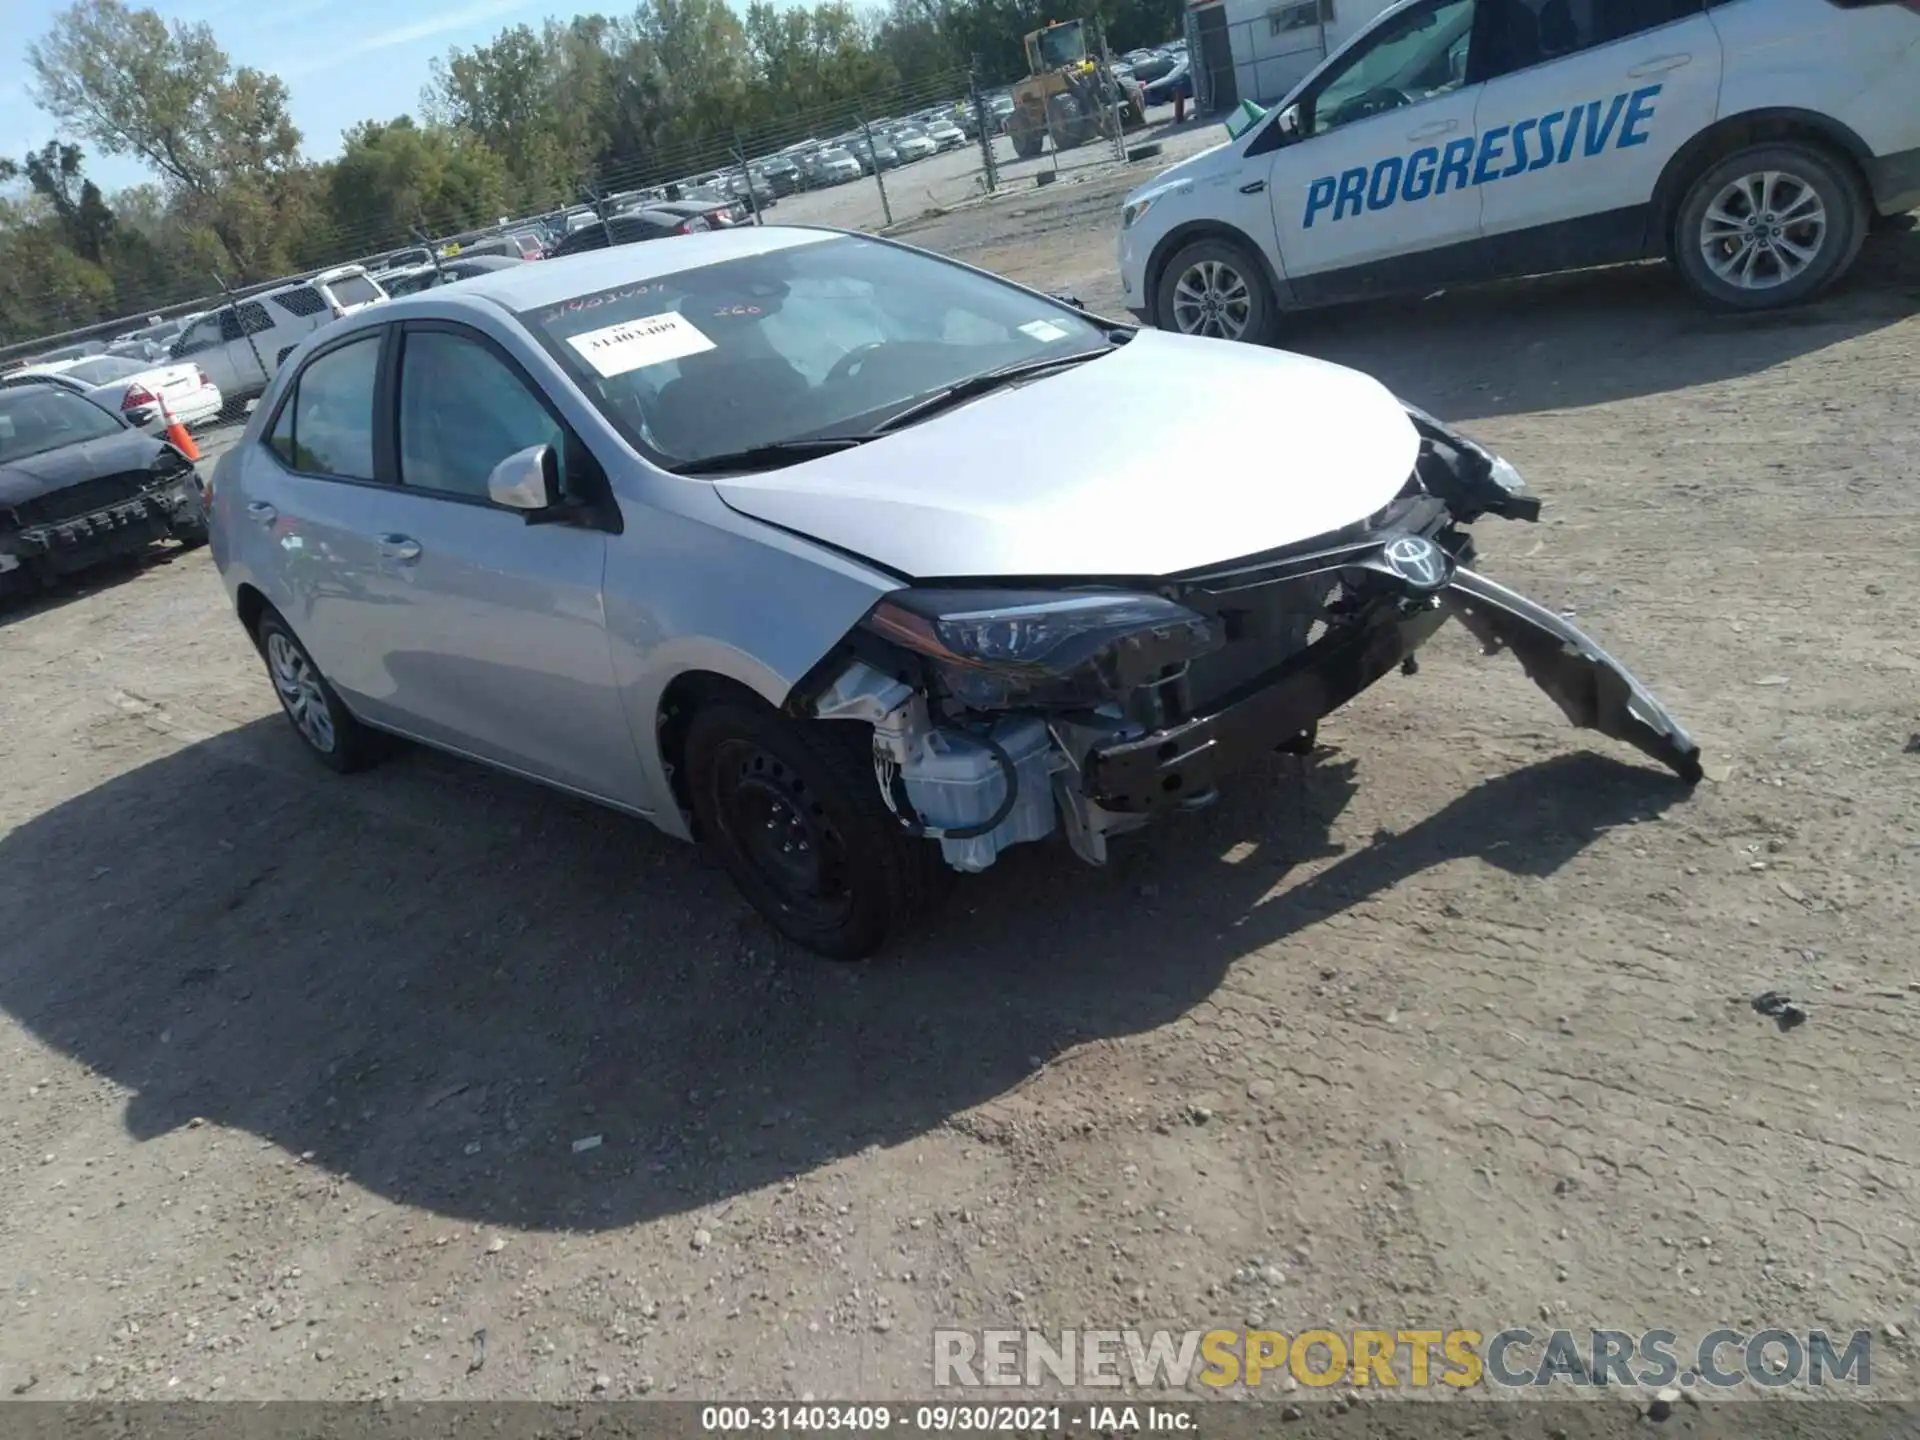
point(1583, 104)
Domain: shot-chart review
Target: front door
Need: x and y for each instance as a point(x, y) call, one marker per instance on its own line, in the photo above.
point(501, 647)
point(1376, 192)
point(1583, 105)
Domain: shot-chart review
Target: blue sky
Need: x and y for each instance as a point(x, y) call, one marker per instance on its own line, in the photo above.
point(343, 60)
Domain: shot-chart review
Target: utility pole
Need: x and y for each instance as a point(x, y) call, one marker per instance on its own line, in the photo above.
point(886, 205)
point(240, 320)
point(746, 177)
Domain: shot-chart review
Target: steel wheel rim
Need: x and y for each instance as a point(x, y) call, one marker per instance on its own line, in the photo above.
point(298, 685)
point(783, 833)
point(1212, 298)
point(1763, 230)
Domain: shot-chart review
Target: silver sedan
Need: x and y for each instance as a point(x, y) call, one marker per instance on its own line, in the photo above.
point(842, 557)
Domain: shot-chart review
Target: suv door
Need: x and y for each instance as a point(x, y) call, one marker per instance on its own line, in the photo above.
point(487, 632)
point(1373, 191)
point(202, 342)
point(1585, 102)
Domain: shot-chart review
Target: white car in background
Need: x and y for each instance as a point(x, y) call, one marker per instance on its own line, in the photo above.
point(240, 346)
point(911, 143)
point(946, 135)
point(1750, 142)
point(140, 392)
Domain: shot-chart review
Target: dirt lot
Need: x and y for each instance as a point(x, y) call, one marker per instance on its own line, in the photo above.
point(1447, 1024)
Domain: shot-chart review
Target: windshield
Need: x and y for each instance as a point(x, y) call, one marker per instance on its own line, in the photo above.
point(822, 338)
point(105, 370)
point(38, 418)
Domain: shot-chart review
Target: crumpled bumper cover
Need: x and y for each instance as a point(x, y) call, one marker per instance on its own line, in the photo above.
point(1160, 770)
point(64, 546)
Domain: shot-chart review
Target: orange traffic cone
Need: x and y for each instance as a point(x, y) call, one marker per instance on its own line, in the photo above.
point(177, 435)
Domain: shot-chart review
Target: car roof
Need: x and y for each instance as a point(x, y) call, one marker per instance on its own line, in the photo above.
point(525, 287)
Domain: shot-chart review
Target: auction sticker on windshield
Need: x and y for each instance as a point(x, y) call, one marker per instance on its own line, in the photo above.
point(1045, 330)
point(636, 344)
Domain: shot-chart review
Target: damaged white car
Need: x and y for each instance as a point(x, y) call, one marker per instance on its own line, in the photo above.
point(838, 556)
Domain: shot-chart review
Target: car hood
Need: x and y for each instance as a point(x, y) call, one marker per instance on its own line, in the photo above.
point(1221, 159)
point(36, 475)
point(1076, 474)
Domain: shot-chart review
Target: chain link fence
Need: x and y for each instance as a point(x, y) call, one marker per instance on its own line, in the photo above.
point(867, 163)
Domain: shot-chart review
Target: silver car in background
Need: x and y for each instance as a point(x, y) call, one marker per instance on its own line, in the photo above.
point(825, 550)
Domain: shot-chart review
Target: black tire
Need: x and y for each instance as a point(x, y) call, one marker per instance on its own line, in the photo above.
point(190, 529)
point(1789, 259)
point(757, 779)
point(353, 746)
point(1245, 308)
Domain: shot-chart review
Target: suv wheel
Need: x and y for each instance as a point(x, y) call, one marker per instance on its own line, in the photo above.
point(793, 812)
point(1768, 226)
point(1216, 288)
point(323, 724)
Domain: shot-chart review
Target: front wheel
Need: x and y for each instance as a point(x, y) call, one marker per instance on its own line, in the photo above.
point(1768, 226)
point(1216, 288)
point(793, 812)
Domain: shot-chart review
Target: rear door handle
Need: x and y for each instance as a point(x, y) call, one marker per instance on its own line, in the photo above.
point(403, 548)
point(1659, 65)
point(1438, 127)
point(260, 512)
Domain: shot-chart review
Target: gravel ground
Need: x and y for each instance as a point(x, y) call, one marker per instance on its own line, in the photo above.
point(1449, 1023)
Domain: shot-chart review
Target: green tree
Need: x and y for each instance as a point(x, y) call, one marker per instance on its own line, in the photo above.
point(84, 220)
point(221, 137)
point(395, 175)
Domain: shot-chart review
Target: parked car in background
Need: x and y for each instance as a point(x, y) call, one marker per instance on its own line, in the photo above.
point(69, 352)
point(241, 345)
point(833, 166)
point(140, 392)
point(780, 174)
point(911, 143)
point(630, 229)
point(1175, 84)
point(447, 272)
point(946, 134)
point(529, 245)
point(79, 485)
point(151, 342)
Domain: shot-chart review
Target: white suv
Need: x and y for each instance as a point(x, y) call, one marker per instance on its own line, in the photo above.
point(241, 345)
point(1453, 141)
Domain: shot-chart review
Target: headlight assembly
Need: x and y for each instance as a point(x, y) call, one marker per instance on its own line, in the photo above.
point(1131, 212)
point(999, 649)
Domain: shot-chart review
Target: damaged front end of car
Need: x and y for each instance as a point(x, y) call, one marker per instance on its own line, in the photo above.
point(1001, 711)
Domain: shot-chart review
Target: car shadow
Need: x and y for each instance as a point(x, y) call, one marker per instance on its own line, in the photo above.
point(1592, 336)
point(24, 602)
point(438, 980)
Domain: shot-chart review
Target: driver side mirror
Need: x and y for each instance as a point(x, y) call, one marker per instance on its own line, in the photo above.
point(527, 480)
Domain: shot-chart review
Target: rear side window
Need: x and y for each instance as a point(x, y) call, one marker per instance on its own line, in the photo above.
point(325, 427)
point(302, 302)
point(354, 290)
point(1520, 33)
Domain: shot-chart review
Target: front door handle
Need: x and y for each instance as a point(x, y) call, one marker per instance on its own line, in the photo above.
point(1438, 127)
point(261, 513)
point(403, 548)
point(1660, 65)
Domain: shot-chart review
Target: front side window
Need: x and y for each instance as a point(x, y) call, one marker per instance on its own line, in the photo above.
point(463, 411)
point(326, 425)
point(1413, 57)
point(824, 337)
point(201, 335)
point(254, 318)
point(302, 302)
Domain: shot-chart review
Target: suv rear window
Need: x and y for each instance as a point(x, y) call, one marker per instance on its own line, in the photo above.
point(354, 290)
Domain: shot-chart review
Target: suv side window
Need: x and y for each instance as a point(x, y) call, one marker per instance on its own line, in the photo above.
point(325, 425)
point(1516, 34)
point(201, 335)
point(1417, 55)
point(302, 302)
point(463, 411)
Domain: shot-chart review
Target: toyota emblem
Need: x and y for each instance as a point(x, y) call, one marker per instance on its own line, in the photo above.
point(1417, 561)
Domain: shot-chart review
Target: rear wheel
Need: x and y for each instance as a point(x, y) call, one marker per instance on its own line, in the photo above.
point(793, 812)
point(1768, 226)
point(1216, 288)
point(325, 726)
